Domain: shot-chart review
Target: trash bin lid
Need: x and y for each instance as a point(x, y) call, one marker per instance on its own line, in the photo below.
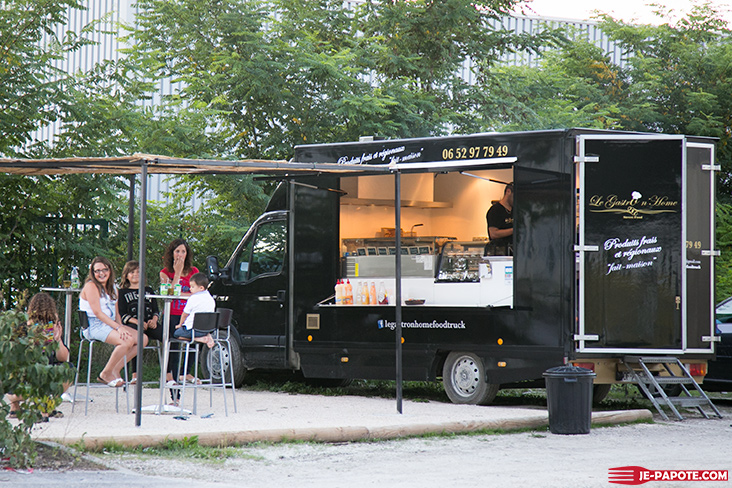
point(568, 371)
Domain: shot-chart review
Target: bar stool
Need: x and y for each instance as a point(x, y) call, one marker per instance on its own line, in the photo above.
point(203, 322)
point(84, 322)
point(224, 324)
point(153, 345)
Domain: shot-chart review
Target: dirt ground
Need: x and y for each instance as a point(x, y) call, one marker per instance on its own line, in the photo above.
point(534, 458)
point(521, 459)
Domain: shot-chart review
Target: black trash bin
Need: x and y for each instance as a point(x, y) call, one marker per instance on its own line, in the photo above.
point(569, 399)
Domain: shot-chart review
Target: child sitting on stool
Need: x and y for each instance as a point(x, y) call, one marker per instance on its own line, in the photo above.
point(199, 301)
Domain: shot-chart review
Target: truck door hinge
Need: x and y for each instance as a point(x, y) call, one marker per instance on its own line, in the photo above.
point(711, 167)
point(711, 339)
point(586, 337)
point(712, 252)
point(578, 248)
point(587, 159)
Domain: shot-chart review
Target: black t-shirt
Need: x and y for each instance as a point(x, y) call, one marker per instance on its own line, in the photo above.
point(127, 303)
point(500, 217)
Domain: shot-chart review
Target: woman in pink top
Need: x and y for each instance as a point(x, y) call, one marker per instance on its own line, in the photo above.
point(177, 269)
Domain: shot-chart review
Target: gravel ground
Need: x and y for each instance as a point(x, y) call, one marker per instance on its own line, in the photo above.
point(532, 458)
point(536, 458)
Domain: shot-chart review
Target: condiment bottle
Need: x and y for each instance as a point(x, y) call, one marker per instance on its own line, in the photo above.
point(338, 293)
point(349, 293)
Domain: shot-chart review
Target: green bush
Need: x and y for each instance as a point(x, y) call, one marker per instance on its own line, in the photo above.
point(24, 371)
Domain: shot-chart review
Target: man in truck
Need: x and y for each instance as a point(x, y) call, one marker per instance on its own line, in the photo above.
point(500, 225)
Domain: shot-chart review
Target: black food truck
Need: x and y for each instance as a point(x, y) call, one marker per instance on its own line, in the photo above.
point(612, 256)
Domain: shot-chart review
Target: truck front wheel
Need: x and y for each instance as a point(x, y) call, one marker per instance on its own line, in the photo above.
point(463, 377)
point(210, 363)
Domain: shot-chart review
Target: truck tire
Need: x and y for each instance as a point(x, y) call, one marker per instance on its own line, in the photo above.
point(600, 392)
point(464, 380)
point(210, 363)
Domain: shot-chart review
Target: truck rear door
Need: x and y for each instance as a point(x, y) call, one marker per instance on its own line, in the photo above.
point(644, 244)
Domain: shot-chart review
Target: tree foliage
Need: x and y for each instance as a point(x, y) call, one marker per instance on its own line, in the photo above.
point(679, 79)
point(49, 224)
point(31, 88)
point(576, 86)
point(288, 72)
point(723, 222)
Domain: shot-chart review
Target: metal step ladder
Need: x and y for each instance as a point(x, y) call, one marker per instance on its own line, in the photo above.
point(652, 386)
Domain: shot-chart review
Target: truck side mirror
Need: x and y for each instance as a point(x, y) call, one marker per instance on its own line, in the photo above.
point(212, 265)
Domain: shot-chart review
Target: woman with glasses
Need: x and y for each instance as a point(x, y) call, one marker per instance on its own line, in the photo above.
point(99, 300)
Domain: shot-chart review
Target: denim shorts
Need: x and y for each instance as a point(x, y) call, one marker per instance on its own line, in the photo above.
point(97, 331)
point(183, 333)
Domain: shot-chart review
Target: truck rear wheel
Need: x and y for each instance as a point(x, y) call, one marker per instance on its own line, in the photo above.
point(464, 380)
point(210, 363)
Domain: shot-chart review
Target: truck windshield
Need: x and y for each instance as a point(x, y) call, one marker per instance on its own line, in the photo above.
point(263, 254)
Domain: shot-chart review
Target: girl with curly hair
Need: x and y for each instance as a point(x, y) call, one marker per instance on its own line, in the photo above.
point(43, 320)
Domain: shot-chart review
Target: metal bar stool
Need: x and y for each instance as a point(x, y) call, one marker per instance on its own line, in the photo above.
point(203, 322)
point(224, 324)
point(84, 321)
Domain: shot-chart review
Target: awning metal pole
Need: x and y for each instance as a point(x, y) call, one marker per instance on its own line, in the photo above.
point(398, 294)
point(131, 219)
point(141, 292)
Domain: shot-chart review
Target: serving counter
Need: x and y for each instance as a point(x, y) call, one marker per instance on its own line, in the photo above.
point(493, 286)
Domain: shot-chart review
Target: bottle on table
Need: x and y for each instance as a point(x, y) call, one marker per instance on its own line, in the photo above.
point(75, 283)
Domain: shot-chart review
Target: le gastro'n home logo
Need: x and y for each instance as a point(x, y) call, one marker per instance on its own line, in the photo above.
point(634, 207)
point(636, 475)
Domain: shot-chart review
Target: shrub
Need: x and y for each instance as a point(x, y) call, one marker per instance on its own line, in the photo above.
point(24, 371)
